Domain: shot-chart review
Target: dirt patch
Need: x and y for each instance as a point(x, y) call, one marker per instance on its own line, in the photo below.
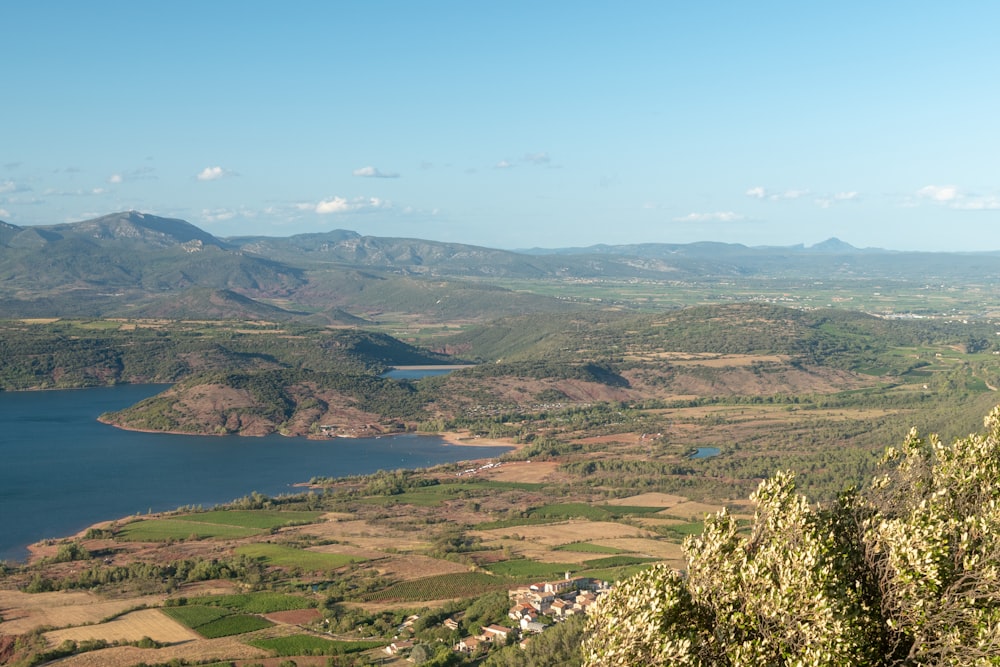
point(692, 510)
point(531, 472)
point(363, 535)
point(650, 500)
point(413, 566)
point(23, 612)
point(557, 534)
point(150, 623)
point(203, 650)
point(295, 616)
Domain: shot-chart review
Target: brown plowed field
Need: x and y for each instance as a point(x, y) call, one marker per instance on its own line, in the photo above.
point(24, 611)
point(150, 623)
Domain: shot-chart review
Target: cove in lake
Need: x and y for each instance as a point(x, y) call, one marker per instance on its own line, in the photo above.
point(705, 452)
point(61, 470)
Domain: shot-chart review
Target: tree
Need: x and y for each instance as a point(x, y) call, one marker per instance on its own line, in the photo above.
point(906, 572)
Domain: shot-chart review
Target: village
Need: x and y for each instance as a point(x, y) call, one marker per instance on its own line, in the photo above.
point(533, 609)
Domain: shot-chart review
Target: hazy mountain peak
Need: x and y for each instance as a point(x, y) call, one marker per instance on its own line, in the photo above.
point(833, 244)
point(136, 226)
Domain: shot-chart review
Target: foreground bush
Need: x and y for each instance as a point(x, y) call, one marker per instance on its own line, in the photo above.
point(906, 572)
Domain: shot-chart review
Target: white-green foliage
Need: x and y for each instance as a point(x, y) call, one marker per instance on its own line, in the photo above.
point(906, 573)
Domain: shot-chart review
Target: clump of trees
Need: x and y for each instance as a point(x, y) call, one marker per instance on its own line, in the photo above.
point(904, 572)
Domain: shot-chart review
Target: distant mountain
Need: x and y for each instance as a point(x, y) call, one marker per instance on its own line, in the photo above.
point(132, 262)
point(127, 228)
point(207, 303)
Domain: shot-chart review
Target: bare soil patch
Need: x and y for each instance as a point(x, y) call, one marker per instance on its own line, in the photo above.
point(650, 500)
point(413, 566)
point(531, 472)
point(134, 626)
point(692, 510)
point(294, 616)
point(363, 535)
point(556, 534)
point(196, 651)
point(24, 611)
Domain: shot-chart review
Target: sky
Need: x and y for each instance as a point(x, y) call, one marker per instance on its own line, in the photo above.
point(511, 124)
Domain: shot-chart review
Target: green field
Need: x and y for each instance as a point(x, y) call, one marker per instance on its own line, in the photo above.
point(213, 622)
point(236, 624)
point(222, 524)
point(195, 615)
point(259, 519)
point(163, 530)
point(285, 556)
point(591, 512)
point(255, 603)
point(523, 569)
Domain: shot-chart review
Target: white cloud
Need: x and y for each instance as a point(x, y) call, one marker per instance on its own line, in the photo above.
point(757, 192)
point(344, 205)
point(138, 174)
point(953, 197)
point(536, 158)
point(213, 173)
point(9, 186)
point(217, 215)
point(372, 172)
point(4, 213)
point(503, 164)
point(940, 193)
point(720, 216)
point(836, 198)
point(989, 203)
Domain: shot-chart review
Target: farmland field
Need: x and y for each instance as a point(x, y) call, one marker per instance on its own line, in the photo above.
point(459, 585)
point(255, 603)
point(310, 645)
point(195, 615)
point(286, 556)
point(130, 627)
point(260, 519)
point(523, 569)
point(588, 547)
point(163, 530)
point(236, 624)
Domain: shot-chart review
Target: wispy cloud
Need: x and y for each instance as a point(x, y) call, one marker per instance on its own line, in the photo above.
point(537, 158)
point(373, 172)
point(837, 198)
point(217, 214)
point(9, 186)
point(939, 193)
point(978, 203)
point(138, 174)
point(758, 192)
point(503, 164)
point(719, 216)
point(955, 198)
point(4, 213)
point(344, 205)
point(92, 192)
point(213, 173)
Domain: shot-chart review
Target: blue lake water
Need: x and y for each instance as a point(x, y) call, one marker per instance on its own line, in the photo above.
point(61, 470)
point(705, 452)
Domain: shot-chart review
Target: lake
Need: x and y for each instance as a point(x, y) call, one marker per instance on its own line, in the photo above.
point(61, 470)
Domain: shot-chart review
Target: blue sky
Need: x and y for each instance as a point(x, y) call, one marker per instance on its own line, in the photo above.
point(511, 124)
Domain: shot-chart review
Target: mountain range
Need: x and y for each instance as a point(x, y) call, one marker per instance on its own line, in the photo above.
point(141, 265)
